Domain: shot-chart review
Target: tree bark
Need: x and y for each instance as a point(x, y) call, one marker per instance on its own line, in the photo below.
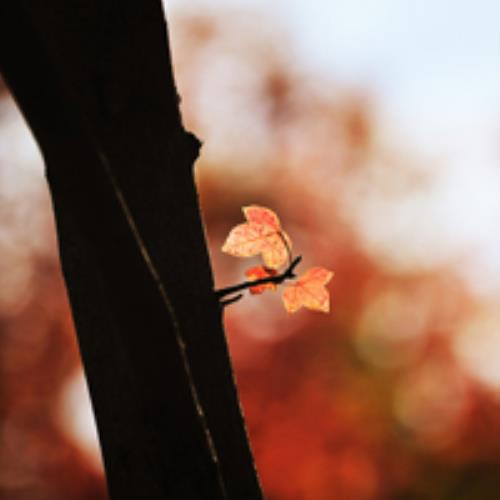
point(94, 81)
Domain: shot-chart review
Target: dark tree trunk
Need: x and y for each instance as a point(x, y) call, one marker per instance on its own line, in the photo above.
point(94, 81)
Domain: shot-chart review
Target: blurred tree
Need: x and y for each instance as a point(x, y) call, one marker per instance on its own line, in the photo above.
point(94, 82)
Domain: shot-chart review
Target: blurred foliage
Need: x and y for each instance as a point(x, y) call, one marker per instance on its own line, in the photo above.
point(382, 398)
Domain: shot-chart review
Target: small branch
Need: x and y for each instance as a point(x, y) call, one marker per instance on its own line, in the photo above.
point(231, 300)
point(288, 273)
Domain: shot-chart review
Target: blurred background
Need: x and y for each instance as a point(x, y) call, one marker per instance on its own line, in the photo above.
point(373, 130)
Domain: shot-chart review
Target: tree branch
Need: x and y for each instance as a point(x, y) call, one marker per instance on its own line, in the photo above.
point(120, 169)
point(288, 273)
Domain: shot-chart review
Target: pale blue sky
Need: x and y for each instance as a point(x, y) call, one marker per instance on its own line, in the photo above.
point(433, 65)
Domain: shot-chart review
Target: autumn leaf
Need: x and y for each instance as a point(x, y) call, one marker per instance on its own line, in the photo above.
point(309, 291)
point(261, 234)
point(258, 273)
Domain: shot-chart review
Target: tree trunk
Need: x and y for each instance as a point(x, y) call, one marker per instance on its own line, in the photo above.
point(94, 81)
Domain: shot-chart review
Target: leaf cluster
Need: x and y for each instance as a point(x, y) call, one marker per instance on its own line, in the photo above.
point(263, 235)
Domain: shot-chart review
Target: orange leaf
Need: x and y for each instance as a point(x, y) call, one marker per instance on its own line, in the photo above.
point(261, 215)
point(261, 234)
point(257, 273)
point(309, 291)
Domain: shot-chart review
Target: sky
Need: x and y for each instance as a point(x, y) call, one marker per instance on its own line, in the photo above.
point(432, 70)
point(434, 66)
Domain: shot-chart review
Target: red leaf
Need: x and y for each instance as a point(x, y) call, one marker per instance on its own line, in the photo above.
point(257, 273)
point(262, 234)
point(309, 291)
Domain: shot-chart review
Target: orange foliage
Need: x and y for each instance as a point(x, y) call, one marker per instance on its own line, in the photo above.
point(309, 291)
point(262, 234)
point(257, 273)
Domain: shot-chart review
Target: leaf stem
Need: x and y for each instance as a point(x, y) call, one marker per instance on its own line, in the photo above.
point(288, 273)
point(288, 249)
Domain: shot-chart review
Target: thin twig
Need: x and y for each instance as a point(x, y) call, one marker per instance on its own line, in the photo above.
point(288, 273)
point(231, 300)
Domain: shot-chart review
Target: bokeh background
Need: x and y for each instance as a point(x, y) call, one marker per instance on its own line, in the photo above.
point(373, 129)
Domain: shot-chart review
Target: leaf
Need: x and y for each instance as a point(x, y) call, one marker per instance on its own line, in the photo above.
point(261, 234)
point(261, 215)
point(309, 291)
point(257, 273)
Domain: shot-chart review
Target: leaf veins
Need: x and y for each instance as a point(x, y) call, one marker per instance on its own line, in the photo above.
point(309, 291)
point(261, 234)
